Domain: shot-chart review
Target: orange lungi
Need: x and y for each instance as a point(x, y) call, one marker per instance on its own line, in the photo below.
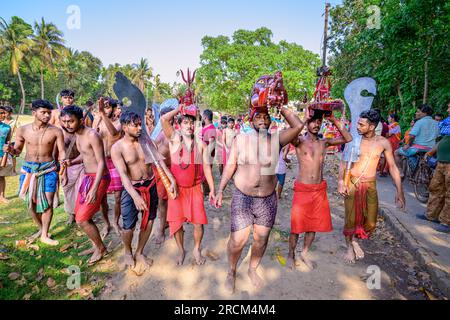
point(310, 209)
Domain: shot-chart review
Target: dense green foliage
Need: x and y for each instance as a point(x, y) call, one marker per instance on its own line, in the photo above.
point(408, 55)
point(230, 68)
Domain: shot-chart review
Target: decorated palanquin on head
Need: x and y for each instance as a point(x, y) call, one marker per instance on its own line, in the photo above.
point(268, 92)
point(323, 103)
point(188, 100)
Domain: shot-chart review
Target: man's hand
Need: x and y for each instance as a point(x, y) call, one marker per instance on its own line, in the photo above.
point(342, 189)
point(307, 116)
point(400, 200)
point(212, 197)
point(140, 204)
point(91, 196)
point(219, 199)
point(332, 119)
point(8, 148)
point(101, 106)
point(66, 163)
point(173, 188)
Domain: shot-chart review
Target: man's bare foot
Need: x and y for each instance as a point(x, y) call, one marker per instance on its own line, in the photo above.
point(48, 241)
point(305, 258)
point(290, 262)
point(105, 231)
point(160, 238)
point(350, 257)
point(86, 252)
point(199, 259)
point(4, 200)
point(70, 219)
point(359, 253)
point(231, 281)
point(142, 264)
point(34, 237)
point(129, 261)
point(117, 229)
point(181, 257)
point(97, 256)
point(255, 278)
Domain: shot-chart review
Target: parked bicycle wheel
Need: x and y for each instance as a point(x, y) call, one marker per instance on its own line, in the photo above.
point(404, 168)
point(422, 180)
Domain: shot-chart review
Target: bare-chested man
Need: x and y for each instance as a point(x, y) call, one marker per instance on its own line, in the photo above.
point(189, 157)
point(39, 176)
point(75, 172)
point(67, 97)
point(163, 147)
point(310, 208)
point(361, 198)
point(109, 131)
point(252, 162)
point(140, 194)
point(96, 179)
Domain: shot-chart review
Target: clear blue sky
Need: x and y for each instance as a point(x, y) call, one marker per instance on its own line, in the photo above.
point(168, 33)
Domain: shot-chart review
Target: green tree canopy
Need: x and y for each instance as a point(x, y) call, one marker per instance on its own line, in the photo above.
point(408, 56)
point(230, 67)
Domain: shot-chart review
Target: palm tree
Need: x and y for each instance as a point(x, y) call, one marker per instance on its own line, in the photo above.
point(72, 65)
point(48, 47)
point(15, 43)
point(141, 74)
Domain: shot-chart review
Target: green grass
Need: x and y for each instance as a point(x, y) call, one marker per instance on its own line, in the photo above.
point(15, 225)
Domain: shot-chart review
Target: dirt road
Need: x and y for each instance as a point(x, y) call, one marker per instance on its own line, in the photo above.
point(401, 277)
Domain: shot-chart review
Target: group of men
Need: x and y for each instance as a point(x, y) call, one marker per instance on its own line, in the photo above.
point(96, 155)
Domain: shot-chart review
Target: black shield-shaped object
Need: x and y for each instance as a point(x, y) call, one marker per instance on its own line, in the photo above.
point(124, 88)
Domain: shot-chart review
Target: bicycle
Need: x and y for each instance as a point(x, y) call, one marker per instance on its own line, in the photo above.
point(419, 174)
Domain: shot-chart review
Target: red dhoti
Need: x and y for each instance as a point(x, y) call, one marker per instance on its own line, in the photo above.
point(189, 205)
point(83, 210)
point(310, 209)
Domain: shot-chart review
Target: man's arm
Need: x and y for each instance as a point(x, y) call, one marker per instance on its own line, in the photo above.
point(112, 130)
point(97, 146)
point(395, 173)
point(207, 169)
point(285, 153)
point(165, 122)
point(54, 116)
point(346, 136)
point(230, 168)
point(60, 144)
point(296, 126)
point(342, 188)
point(415, 131)
point(433, 151)
point(19, 143)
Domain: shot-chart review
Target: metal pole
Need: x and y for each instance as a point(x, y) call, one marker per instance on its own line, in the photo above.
point(325, 35)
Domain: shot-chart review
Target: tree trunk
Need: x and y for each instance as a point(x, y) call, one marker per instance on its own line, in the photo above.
point(425, 85)
point(22, 104)
point(400, 95)
point(42, 83)
point(426, 73)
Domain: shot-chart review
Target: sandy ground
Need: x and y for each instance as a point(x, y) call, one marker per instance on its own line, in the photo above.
point(401, 277)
